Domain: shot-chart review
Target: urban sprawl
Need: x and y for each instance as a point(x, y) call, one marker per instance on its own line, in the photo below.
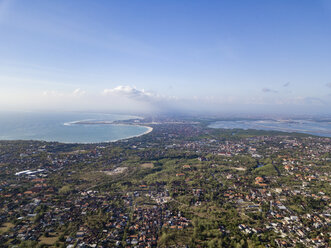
point(181, 185)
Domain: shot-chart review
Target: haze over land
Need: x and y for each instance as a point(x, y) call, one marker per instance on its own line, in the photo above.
point(149, 57)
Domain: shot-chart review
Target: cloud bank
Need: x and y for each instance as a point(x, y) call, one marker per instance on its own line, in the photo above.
point(131, 100)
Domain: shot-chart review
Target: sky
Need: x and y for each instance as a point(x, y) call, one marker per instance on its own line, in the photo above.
point(158, 56)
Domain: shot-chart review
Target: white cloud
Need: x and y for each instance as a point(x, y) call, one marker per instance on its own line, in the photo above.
point(61, 94)
point(78, 92)
point(124, 99)
point(53, 93)
point(130, 92)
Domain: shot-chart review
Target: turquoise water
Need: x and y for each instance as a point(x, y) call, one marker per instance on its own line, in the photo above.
point(299, 126)
point(57, 127)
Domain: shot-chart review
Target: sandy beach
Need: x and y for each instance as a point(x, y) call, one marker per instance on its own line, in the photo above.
point(149, 129)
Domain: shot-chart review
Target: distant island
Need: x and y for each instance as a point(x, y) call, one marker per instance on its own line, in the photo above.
point(92, 122)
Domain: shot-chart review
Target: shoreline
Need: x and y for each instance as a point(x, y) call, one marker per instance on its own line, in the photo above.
point(149, 130)
point(93, 121)
point(258, 125)
point(127, 121)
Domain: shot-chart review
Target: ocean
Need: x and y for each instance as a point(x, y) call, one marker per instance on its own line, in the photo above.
point(319, 128)
point(61, 127)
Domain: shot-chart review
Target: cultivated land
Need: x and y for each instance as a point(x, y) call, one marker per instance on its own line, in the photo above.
point(181, 185)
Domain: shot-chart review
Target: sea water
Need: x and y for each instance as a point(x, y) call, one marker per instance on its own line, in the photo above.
point(60, 127)
point(320, 128)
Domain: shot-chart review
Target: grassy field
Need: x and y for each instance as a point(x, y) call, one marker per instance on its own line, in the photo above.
point(5, 227)
point(53, 237)
point(147, 165)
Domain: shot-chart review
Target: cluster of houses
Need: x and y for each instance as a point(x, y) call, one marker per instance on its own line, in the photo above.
point(147, 223)
point(89, 218)
point(282, 212)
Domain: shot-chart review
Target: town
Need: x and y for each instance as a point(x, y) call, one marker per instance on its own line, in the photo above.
point(182, 185)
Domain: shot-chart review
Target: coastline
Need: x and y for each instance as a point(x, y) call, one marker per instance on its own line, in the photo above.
point(87, 122)
point(149, 130)
point(301, 127)
point(71, 128)
point(94, 122)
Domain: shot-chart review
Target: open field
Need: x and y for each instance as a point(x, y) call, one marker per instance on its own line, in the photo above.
point(147, 165)
point(5, 227)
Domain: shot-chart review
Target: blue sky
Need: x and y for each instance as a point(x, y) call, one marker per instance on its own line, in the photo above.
point(153, 55)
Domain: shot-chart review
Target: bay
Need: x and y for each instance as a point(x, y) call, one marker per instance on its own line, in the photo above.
point(319, 128)
point(61, 127)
